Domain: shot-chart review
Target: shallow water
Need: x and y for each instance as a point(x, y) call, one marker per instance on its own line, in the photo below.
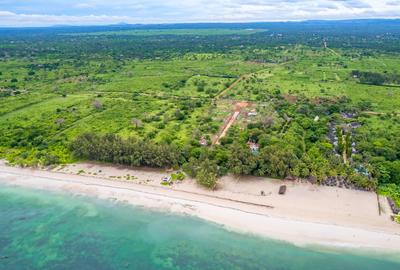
point(44, 230)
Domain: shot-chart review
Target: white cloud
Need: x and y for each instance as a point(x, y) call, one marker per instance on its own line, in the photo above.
point(84, 5)
point(12, 19)
point(41, 12)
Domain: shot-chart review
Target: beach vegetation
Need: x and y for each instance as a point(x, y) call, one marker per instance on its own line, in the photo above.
point(392, 191)
point(178, 176)
point(206, 174)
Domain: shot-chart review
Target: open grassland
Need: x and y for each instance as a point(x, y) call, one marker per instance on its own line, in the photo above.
point(162, 100)
point(318, 73)
point(168, 100)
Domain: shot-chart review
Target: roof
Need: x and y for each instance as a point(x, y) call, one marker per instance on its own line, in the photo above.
point(253, 146)
point(203, 142)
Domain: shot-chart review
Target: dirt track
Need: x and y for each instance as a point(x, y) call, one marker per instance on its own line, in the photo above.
point(229, 122)
point(231, 86)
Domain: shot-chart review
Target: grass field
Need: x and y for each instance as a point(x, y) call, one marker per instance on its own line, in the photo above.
point(152, 91)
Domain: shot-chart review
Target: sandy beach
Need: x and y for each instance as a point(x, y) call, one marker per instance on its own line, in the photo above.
point(307, 214)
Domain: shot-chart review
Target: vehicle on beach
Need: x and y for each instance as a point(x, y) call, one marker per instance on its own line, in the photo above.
point(166, 180)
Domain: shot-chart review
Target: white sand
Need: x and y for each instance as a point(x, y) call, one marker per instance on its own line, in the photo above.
point(307, 214)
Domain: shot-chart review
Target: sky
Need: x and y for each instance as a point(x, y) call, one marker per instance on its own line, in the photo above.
point(101, 12)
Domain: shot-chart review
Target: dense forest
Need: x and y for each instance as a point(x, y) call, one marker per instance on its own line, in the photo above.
point(308, 100)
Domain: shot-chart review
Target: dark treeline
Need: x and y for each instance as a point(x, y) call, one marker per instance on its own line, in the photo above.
point(376, 78)
point(131, 152)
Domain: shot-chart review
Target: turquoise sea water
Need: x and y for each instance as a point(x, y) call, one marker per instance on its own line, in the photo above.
point(44, 230)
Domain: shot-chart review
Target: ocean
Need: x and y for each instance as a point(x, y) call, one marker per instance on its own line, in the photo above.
point(47, 230)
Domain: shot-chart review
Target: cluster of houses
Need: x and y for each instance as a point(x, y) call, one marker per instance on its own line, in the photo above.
point(333, 138)
point(352, 126)
point(349, 127)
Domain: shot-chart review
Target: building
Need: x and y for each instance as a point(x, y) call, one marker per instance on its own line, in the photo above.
point(254, 147)
point(203, 142)
point(252, 113)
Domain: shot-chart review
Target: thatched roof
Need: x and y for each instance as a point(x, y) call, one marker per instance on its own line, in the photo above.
point(282, 190)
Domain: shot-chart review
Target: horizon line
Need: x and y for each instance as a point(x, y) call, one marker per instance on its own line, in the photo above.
point(203, 22)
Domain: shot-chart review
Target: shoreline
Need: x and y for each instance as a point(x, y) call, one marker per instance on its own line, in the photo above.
point(235, 210)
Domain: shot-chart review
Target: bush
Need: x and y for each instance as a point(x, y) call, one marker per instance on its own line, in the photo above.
point(206, 178)
point(204, 170)
point(180, 176)
point(392, 191)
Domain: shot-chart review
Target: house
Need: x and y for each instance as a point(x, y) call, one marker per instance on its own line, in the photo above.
point(355, 125)
point(203, 142)
point(348, 115)
point(252, 113)
point(362, 170)
point(254, 147)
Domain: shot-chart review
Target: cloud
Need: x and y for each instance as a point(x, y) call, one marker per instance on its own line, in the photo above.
point(12, 19)
point(75, 12)
point(355, 4)
point(84, 5)
point(393, 3)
